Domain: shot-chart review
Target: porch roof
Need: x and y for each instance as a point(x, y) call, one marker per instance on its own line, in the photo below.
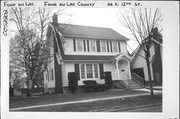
point(121, 56)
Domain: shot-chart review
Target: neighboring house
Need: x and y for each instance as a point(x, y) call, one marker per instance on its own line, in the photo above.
point(139, 66)
point(88, 51)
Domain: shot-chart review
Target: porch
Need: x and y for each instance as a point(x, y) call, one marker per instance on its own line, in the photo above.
point(122, 70)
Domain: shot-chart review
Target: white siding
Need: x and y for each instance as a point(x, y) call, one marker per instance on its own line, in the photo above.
point(123, 47)
point(49, 83)
point(110, 67)
point(69, 48)
point(140, 62)
point(123, 70)
point(68, 67)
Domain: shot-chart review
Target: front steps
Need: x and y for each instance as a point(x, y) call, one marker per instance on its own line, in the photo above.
point(127, 84)
point(132, 84)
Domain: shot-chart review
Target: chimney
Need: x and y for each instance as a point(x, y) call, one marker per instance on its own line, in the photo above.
point(55, 20)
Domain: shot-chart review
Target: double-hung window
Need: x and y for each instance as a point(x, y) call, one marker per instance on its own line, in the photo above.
point(89, 70)
point(79, 45)
point(115, 46)
point(93, 45)
point(103, 46)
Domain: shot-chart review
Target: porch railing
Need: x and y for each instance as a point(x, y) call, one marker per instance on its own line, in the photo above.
point(126, 80)
point(137, 78)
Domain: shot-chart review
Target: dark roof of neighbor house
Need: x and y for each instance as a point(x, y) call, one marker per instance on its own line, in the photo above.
point(89, 32)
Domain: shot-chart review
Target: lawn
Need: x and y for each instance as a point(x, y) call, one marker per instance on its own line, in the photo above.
point(100, 106)
point(57, 98)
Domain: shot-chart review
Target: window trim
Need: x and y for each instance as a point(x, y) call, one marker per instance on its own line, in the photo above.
point(102, 45)
point(97, 70)
point(82, 43)
point(113, 44)
point(91, 71)
point(94, 46)
point(85, 71)
point(81, 71)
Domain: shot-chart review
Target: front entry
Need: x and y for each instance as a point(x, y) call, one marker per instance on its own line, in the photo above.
point(124, 69)
point(122, 64)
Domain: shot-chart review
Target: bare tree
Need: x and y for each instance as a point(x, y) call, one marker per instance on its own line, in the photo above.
point(29, 50)
point(143, 24)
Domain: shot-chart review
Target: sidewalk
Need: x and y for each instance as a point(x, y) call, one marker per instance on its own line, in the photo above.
point(138, 92)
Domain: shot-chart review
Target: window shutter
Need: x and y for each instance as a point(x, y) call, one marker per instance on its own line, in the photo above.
point(52, 75)
point(88, 45)
point(107, 46)
point(76, 66)
point(101, 69)
point(111, 46)
point(74, 43)
point(98, 46)
point(84, 45)
point(119, 46)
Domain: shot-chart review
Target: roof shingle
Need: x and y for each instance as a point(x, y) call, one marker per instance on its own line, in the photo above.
point(89, 32)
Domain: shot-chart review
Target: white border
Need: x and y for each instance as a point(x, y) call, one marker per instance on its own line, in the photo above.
point(170, 71)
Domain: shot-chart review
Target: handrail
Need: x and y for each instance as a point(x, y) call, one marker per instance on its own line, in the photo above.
point(140, 82)
point(125, 81)
point(137, 75)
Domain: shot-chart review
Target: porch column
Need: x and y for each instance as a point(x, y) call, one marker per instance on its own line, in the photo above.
point(129, 69)
point(117, 69)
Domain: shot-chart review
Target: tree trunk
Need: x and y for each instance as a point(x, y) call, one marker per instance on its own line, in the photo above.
point(149, 75)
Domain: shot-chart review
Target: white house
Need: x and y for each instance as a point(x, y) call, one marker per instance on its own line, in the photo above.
point(88, 51)
point(139, 66)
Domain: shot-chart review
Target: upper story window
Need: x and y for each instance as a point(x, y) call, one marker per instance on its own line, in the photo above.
point(79, 45)
point(92, 45)
point(96, 46)
point(103, 46)
point(115, 46)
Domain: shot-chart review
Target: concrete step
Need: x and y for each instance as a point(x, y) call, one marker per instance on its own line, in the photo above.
point(133, 84)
